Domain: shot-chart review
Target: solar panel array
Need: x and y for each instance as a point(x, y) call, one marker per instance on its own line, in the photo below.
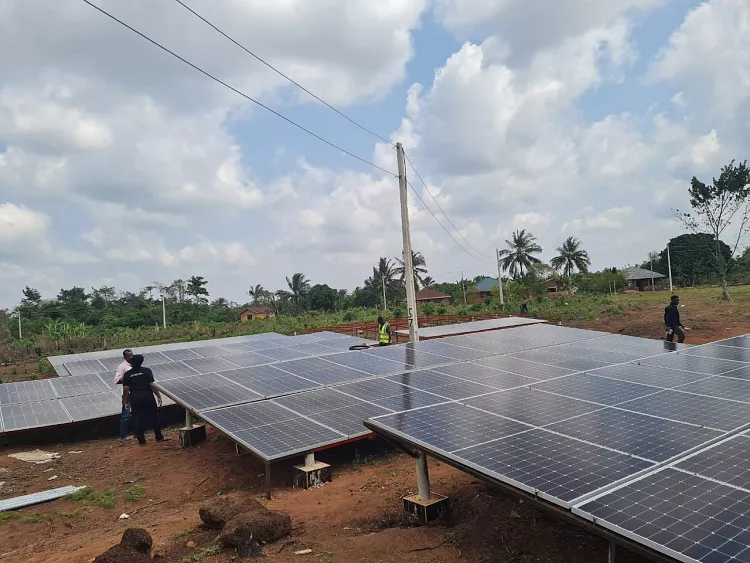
point(654, 446)
point(473, 326)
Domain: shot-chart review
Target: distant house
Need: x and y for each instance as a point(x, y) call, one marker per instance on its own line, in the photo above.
point(428, 295)
point(484, 287)
point(554, 285)
point(639, 278)
point(252, 313)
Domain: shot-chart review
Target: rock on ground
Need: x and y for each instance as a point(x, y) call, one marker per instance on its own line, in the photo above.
point(262, 526)
point(216, 512)
point(134, 547)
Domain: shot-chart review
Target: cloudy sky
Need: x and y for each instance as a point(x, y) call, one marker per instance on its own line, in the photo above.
point(120, 165)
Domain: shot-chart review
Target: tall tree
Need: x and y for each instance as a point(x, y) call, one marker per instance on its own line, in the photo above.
point(519, 256)
point(420, 268)
point(428, 281)
point(691, 259)
point(717, 206)
point(299, 287)
point(196, 288)
point(571, 257)
point(384, 280)
point(258, 293)
point(178, 289)
point(323, 298)
point(31, 297)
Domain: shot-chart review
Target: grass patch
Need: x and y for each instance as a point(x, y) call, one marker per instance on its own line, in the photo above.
point(6, 516)
point(35, 518)
point(183, 533)
point(203, 553)
point(73, 514)
point(133, 494)
point(88, 495)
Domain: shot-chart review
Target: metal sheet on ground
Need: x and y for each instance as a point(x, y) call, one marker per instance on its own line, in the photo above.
point(683, 516)
point(37, 498)
point(37, 414)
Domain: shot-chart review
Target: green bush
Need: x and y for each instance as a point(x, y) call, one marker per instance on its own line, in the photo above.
point(442, 310)
point(428, 309)
point(349, 317)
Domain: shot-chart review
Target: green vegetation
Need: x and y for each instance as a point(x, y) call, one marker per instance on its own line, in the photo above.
point(73, 514)
point(35, 518)
point(6, 516)
point(87, 496)
point(133, 494)
point(203, 553)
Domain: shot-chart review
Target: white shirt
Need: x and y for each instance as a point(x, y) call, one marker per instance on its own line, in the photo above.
point(120, 371)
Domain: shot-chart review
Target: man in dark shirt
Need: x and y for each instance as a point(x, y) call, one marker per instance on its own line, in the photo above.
point(672, 320)
point(138, 395)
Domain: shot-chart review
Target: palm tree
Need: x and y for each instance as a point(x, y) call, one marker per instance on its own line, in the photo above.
point(420, 268)
point(570, 257)
point(519, 256)
point(299, 286)
point(428, 281)
point(383, 278)
point(258, 293)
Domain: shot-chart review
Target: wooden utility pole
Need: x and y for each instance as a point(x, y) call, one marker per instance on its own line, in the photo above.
point(499, 276)
point(411, 300)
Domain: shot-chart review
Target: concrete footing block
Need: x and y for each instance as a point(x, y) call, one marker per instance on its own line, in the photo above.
point(426, 510)
point(190, 437)
point(310, 476)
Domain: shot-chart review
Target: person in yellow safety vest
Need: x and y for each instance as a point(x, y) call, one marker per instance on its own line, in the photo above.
point(384, 330)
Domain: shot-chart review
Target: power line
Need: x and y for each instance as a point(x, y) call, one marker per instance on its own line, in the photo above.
point(441, 207)
point(416, 193)
point(277, 71)
point(212, 77)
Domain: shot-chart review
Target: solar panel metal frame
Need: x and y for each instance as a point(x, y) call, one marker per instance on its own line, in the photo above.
point(70, 386)
point(42, 388)
point(167, 387)
point(75, 404)
point(55, 404)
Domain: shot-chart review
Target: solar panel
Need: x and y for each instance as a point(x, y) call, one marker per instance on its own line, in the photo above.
point(727, 461)
point(348, 420)
point(209, 351)
point(209, 365)
point(111, 363)
point(550, 358)
point(83, 367)
point(390, 395)
point(450, 426)
point(738, 341)
point(317, 401)
point(320, 371)
point(269, 381)
point(664, 378)
point(644, 436)
point(474, 326)
point(489, 347)
point(684, 516)
point(88, 407)
point(291, 437)
point(442, 385)
point(523, 367)
point(486, 376)
point(248, 359)
point(207, 391)
point(24, 416)
point(172, 370)
point(366, 363)
point(718, 414)
point(407, 357)
point(154, 358)
point(179, 355)
point(597, 390)
point(584, 350)
point(532, 407)
point(555, 467)
point(26, 392)
point(722, 352)
point(696, 364)
point(246, 416)
point(722, 387)
point(742, 373)
point(79, 385)
point(442, 348)
point(284, 354)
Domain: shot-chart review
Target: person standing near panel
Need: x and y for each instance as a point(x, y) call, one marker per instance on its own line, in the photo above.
point(672, 320)
point(127, 355)
point(138, 393)
point(384, 332)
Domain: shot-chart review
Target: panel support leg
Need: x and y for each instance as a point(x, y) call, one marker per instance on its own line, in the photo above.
point(268, 480)
point(423, 477)
point(612, 552)
point(312, 473)
point(191, 435)
point(310, 459)
point(188, 420)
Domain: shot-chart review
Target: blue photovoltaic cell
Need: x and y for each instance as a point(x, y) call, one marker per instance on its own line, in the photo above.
point(269, 381)
point(79, 385)
point(663, 378)
point(719, 414)
point(696, 364)
point(366, 363)
point(450, 426)
point(172, 370)
point(722, 387)
point(407, 399)
point(722, 352)
point(210, 351)
point(248, 359)
point(648, 437)
point(348, 420)
point(179, 355)
point(728, 462)
point(486, 376)
point(317, 401)
point(742, 373)
point(209, 365)
point(531, 406)
point(560, 467)
point(83, 367)
point(486, 347)
point(598, 390)
point(112, 363)
point(247, 416)
point(294, 436)
point(683, 516)
point(443, 385)
point(284, 354)
point(447, 350)
point(738, 341)
point(320, 371)
point(26, 392)
point(207, 391)
point(408, 356)
point(38, 414)
point(88, 407)
point(523, 367)
point(571, 362)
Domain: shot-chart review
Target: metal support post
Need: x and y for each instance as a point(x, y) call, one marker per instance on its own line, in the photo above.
point(669, 266)
point(500, 277)
point(612, 552)
point(164, 311)
point(423, 477)
point(268, 480)
point(411, 301)
point(188, 420)
point(310, 459)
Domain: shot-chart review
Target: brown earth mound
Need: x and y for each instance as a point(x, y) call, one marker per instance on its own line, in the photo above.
point(262, 526)
point(216, 512)
point(134, 547)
